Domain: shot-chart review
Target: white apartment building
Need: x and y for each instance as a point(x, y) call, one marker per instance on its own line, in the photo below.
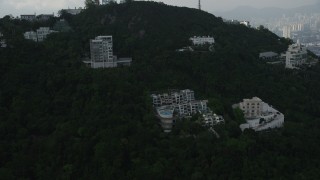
point(286, 32)
point(43, 32)
point(251, 108)
point(189, 108)
point(38, 36)
point(210, 119)
point(31, 35)
point(101, 49)
point(296, 56)
point(173, 97)
point(183, 102)
point(28, 17)
point(202, 40)
point(259, 115)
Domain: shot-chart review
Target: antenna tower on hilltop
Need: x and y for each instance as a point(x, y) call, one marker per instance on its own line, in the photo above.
point(199, 5)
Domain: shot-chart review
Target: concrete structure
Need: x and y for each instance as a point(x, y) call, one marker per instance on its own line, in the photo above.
point(202, 40)
point(31, 35)
point(246, 23)
point(251, 108)
point(30, 17)
point(165, 114)
point(38, 36)
point(173, 97)
point(101, 49)
point(190, 108)
point(259, 115)
point(210, 119)
point(268, 56)
point(296, 56)
point(43, 32)
point(286, 32)
point(183, 104)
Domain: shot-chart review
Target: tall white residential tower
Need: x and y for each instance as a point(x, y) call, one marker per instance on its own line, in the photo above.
point(101, 49)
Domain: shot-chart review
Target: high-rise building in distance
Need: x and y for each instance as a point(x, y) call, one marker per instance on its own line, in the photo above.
point(101, 49)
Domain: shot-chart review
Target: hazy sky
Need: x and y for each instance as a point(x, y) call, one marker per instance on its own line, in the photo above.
point(17, 7)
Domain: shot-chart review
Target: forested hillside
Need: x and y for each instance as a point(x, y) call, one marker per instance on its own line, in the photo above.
point(62, 120)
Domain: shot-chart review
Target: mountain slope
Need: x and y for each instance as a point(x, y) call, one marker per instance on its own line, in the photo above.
point(155, 27)
point(62, 120)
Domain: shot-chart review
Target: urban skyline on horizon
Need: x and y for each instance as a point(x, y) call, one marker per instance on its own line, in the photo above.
point(17, 7)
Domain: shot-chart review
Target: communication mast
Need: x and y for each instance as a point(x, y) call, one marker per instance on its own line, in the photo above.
point(199, 5)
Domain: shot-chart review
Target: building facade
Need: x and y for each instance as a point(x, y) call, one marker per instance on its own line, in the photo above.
point(251, 108)
point(38, 36)
point(101, 49)
point(202, 40)
point(31, 35)
point(183, 102)
point(296, 56)
point(42, 33)
point(259, 115)
point(28, 17)
point(173, 97)
point(286, 32)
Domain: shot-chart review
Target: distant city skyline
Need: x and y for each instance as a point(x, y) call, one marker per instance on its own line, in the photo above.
point(17, 7)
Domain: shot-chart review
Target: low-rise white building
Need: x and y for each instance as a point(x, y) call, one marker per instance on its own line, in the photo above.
point(38, 36)
point(259, 115)
point(251, 108)
point(296, 56)
point(173, 97)
point(183, 104)
point(210, 119)
point(190, 108)
point(43, 32)
point(202, 40)
point(28, 17)
point(31, 35)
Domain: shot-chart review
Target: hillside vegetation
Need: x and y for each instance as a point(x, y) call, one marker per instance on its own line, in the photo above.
point(62, 120)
